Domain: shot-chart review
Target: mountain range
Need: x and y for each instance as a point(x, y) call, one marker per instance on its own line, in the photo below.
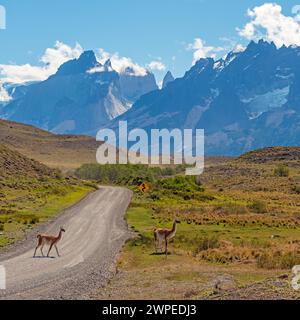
point(247, 100)
point(79, 98)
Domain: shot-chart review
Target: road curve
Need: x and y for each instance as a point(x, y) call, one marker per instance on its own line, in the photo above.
point(95, 233)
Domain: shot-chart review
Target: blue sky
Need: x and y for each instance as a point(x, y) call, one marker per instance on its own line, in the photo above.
point(146, 31)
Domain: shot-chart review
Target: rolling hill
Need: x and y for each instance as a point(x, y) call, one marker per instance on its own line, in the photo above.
point(273, 154)
point(65, 152)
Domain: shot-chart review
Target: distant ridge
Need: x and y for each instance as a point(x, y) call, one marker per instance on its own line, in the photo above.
point(272, 154)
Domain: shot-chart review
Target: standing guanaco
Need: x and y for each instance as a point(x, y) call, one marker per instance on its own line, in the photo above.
point(50, 240)
point(164, 235)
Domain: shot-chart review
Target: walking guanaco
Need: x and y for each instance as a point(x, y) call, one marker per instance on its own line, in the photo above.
point(164, 235)
point(49, 240)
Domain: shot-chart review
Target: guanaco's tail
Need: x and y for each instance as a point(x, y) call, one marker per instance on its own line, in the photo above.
point(38, 236)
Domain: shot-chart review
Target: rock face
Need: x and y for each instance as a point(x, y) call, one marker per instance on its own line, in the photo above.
point(167, 79)
point(134, 86)
point(82, 96)
point(248, 100)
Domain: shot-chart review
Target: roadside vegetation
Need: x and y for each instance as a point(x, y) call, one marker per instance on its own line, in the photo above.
point(240, 224)
point(31, 193)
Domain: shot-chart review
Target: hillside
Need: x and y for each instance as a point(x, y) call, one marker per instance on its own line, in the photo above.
point(58, 151)
point(30, 193)
point(14, 164)
point(273, 154)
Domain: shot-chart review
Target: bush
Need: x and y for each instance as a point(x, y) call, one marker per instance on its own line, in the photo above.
point(180, 183)
point(34, 220)
point(258, 206)
point(168, 171)
point(278, 260)
point(154, 196)
point(208, 243)
point(296, 189)
point(132, 175)
point(281, 171)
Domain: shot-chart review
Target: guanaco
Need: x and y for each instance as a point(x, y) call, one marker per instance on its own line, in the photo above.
point(164, 235)
point(49, 240)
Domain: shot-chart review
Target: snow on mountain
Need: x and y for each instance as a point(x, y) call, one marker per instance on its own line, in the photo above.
point(79, 98)
point(249, 99)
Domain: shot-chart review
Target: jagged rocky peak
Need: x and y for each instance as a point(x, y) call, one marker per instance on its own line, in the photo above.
point(85, 62)
point(261, 45)
point(108, 66)
point(167, 79)
point(200, 66)
point(81, 97)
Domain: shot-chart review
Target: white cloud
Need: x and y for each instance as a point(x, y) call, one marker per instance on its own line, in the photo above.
point(239, 48)
point(203, 51)
point(50, 62)
point(156, 65)
point(120, 64)
point(268, 22)
point(55, 57)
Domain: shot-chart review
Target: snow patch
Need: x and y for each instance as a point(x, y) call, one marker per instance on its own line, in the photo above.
point(259, 104)
point(113, 106)
point(276, 118)
point(4, 96)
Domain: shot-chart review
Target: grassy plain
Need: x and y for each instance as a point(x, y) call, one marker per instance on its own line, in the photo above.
point(239, 235)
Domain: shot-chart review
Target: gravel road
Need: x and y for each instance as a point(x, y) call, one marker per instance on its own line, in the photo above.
point(95, 233)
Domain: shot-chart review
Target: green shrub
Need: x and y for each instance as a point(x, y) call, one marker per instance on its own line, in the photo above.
point(168, 171)
point(282, 171)
point(154, 196)
point(278, 260)
point(180, 183)
point(131, 175)
point(258, 206)
point(34, 220)
point(296, 189)
point(208, 243)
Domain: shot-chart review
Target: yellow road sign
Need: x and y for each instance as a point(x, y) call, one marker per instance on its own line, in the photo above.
point(144, 187)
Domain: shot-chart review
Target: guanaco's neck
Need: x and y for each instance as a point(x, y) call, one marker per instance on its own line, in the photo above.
point(59, 235)
point(174, 227)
